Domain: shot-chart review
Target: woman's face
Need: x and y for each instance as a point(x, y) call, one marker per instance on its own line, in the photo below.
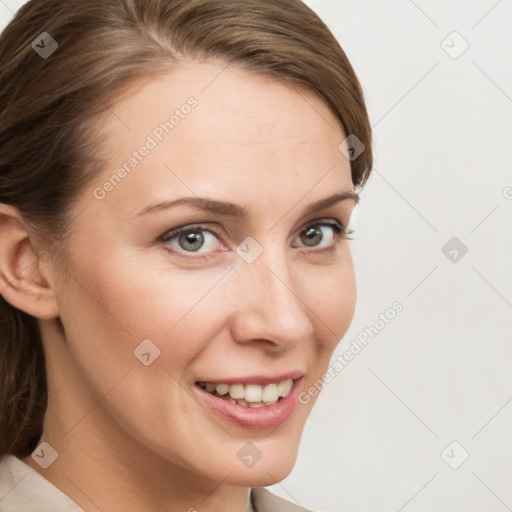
point(255, 291)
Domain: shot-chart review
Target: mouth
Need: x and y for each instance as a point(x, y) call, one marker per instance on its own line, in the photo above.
point(256, 403)
point(249, 395)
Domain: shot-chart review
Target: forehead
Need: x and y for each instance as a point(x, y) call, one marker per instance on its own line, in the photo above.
point(216, 130)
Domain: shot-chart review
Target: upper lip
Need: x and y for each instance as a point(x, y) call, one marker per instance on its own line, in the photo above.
point(256, 379)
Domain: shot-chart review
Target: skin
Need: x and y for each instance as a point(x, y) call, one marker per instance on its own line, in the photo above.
point(135, 437)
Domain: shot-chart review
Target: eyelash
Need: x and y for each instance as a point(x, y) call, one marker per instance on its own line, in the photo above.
point(341, 232)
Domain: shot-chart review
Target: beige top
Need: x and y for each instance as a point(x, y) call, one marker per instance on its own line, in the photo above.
point(22, 489)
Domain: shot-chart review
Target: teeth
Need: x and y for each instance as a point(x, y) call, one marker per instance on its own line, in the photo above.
point(253, 393)
point(222, 389)
point(237, 391)
point(250, 395)
point(270, 393)
point(285, 387)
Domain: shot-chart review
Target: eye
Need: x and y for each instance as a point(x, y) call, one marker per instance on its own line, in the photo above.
point(323, 234)
point(205, 241)
point(193, 239)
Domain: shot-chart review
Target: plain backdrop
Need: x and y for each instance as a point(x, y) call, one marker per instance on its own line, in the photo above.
point(420, 419)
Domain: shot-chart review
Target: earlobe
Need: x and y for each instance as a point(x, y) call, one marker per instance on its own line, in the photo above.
point(21, 282)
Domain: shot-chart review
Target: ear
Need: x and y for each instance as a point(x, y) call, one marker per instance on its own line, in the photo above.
point(22, 283)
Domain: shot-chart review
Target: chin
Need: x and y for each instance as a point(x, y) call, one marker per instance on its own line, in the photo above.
point(262, 463)
point(261, 474)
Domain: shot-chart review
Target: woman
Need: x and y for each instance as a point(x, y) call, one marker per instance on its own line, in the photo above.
point(176, 181)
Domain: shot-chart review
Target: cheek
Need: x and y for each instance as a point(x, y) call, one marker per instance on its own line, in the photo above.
point(121, 299)
point(333, 301)
point(108, 309)
point(132, 306)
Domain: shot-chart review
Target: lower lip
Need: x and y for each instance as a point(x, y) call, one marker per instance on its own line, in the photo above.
point(257, 418)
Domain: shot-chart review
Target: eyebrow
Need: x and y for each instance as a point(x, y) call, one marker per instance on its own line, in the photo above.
point(234, 210)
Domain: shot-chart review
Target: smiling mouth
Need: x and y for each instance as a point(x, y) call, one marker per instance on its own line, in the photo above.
point(249, 395)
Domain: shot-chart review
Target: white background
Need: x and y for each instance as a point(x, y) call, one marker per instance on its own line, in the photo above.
point(440, 371)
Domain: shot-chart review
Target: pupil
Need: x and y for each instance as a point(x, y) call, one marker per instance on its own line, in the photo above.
point(312, 236)
point(191, 241)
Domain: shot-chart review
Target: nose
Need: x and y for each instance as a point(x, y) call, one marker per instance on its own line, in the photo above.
point(271, 310)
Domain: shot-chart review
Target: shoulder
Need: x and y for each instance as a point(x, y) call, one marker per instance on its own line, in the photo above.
point(264, 501)
point(23, 488)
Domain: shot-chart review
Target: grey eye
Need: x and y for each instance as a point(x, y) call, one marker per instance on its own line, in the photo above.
point(191, 241)
point(314, 236)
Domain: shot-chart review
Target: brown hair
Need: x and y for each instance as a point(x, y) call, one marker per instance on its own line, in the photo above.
point(50, 106)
